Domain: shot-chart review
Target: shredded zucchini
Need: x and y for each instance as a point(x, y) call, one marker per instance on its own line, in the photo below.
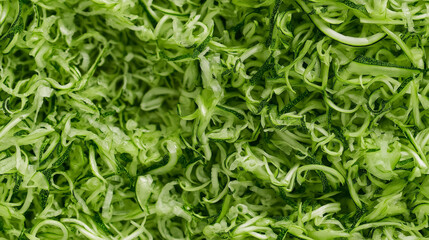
point(216, 119)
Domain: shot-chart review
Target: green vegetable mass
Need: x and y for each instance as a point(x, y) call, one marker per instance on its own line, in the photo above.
point(214, 119)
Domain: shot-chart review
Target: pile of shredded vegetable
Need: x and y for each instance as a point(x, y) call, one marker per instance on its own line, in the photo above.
point(214, 119)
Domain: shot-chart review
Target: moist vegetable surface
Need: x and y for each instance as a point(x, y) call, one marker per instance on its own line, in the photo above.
point(217, 119)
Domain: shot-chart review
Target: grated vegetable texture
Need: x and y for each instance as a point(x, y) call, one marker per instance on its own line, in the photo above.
point(214, 119)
